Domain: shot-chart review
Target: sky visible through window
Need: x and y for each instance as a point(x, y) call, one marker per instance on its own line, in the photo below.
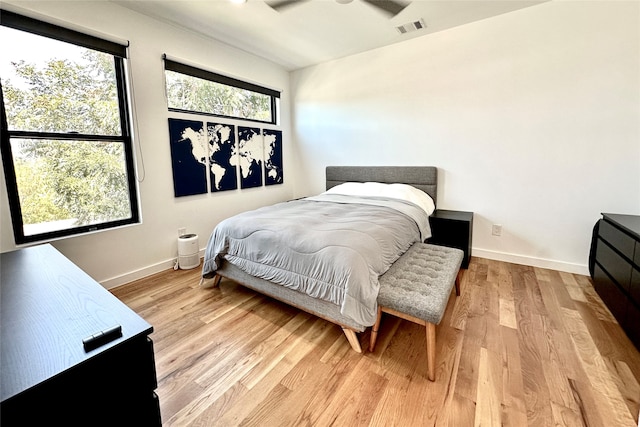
point(18, 45)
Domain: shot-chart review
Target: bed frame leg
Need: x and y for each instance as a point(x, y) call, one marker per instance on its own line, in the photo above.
point(353, 339)
point(458, 282)
point(216, 280)
point(374, 331)
point(206, 283)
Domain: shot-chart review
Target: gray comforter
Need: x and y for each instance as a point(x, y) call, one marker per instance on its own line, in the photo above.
point(331, 247)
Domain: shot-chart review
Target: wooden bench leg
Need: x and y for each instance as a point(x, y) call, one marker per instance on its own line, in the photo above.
point(353, 339)
point(431, 351)
point(374, 331)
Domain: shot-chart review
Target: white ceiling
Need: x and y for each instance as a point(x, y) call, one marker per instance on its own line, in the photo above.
point(315, 31)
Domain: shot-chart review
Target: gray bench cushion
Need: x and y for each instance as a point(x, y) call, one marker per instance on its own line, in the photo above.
point(420, 281)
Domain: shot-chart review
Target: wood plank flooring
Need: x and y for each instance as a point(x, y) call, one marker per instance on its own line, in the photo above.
point(521, 346)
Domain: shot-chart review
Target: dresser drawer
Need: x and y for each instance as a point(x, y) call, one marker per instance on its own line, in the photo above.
point(632, 324)
point(611, 294)
point(140, 366)
point(618, 239)
point(614, 264)
point(114, 388)
point(144, 411)
point(634, 289)
point(636, 258)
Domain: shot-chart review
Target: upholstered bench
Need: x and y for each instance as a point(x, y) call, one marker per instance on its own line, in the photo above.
point(417, 288)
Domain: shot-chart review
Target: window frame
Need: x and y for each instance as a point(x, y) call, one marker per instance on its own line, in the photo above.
point(181, 68)
point(119, 53)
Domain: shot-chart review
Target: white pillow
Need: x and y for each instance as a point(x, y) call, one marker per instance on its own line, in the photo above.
point(378, 189)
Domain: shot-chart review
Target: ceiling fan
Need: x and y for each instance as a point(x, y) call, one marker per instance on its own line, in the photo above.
point(390, 7)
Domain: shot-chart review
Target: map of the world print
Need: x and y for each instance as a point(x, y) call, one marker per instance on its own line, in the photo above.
point(197, 147)
point(272, 156)
point(223, 157)
point(188, 157)
point(250, 152)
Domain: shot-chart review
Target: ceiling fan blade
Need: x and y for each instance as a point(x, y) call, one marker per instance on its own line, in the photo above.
point(279, 5)
point(390, 7)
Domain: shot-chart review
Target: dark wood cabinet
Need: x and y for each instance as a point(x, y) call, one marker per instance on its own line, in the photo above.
point(616, 273)
point(48, 377)
point(453, 229)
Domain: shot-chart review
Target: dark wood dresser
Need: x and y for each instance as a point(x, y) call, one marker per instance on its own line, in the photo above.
point(616, 272)
point(48, 376)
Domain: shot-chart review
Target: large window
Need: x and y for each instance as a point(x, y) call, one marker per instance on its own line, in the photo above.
point(194, 90)
point(66, 140)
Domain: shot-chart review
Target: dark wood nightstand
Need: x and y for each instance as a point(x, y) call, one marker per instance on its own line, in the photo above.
point(453, 229)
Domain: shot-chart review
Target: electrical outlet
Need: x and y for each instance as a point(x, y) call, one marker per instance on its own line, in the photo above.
point(496, 230)
point(182, 231)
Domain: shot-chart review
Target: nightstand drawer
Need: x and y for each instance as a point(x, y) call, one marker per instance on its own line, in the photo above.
point(617, 238)
point(453, 229)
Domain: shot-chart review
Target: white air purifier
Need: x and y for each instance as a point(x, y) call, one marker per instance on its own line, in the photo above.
point(188, 251)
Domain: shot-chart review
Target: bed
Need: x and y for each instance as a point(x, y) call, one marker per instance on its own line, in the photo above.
point(327, 260)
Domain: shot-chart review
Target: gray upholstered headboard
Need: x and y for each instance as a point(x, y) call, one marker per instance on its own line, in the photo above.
point(423, 177)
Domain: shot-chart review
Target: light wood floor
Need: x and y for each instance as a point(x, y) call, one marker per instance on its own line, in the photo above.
point(521, 346)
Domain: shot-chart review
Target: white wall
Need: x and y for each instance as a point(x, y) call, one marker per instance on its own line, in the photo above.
point(117, 256)
point(532, 118)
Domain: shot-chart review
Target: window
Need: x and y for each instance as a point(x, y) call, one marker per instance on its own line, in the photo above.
point(193, 90)
point(66, 141)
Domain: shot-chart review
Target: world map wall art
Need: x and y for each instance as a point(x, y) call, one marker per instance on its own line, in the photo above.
point(250, 152)
point(206, 156)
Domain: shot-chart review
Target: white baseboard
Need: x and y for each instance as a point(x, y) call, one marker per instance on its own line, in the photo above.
point(143, 272)
point(480, 253)
point(532, 261)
